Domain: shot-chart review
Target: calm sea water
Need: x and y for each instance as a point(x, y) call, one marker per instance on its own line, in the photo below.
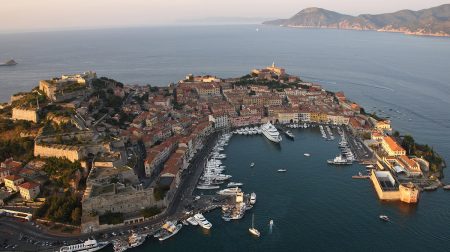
point(315, 207)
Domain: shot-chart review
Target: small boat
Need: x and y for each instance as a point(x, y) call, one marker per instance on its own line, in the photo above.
point(307, 154)
point(360, 176)
point(369, 166)
point(289, 134)
point(282, 170)
point(9, 63)
point(271, 223)
point(384, 218)
point(446, 187)
point(253, 230)
point(252, 198)
point(252, 164)
point(192, 221)
point(185, 222)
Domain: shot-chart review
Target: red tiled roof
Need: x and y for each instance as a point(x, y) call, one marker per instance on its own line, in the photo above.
point(29, 185)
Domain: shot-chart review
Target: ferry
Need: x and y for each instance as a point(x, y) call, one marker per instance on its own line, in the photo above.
point(202, 221)
point(271, 133)
point(169, 229)
point(252, 198)
point(87, 246)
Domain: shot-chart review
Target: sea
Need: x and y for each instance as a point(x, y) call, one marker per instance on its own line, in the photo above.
point(315, 207)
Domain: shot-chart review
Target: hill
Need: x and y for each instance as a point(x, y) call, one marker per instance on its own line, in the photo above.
point(432, 22)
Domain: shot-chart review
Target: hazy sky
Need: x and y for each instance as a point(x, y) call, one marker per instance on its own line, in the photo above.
point(17, 15)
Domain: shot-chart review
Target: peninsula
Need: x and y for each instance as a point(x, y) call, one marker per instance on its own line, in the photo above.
point(87, 156)
point(428, 22)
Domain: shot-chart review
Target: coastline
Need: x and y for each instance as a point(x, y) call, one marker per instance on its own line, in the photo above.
point(420, 34)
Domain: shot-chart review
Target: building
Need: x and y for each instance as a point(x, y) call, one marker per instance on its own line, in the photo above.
point(220, 121)
point(29, 190)
point(12, 181)
point(25, 114)
point(66, 87)
point(388, 188)
point(391, 147)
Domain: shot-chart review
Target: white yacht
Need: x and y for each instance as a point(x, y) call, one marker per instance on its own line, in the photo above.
point(340, 160)
point(202, 221)
point(87, 246)
point(271, 133)
point(234, 184)
point(229, 191)
point(192, 221)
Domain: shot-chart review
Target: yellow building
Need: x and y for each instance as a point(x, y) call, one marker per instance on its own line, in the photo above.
point(29, 190)
point(388, 188)
point(25, 114)
point(391, 147)
point(12, 181)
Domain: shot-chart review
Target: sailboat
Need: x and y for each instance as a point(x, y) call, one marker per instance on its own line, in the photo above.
point(253, 230)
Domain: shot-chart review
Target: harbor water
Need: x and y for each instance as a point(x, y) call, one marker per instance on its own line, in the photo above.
point(315, 207)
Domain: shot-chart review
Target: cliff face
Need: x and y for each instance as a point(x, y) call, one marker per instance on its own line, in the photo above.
point(434, 21)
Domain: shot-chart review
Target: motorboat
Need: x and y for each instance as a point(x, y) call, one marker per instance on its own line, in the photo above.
point(252, 164)
point(192, 221)
point(202, 221)
point(252, 198)
point(289, 134)
point(229, 191)
point(282, 170)
point(307, 154)
point(234, 184)
point(136, 240)
point(253, 230)
point(384, 218)
point(208, 187)
point(169, 229)
point(271, 133)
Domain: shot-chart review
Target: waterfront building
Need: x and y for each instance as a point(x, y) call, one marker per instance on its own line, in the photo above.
point(391, 147)
point(29, 190)
point(66, 87)
point(388, 188)
point(220, 121)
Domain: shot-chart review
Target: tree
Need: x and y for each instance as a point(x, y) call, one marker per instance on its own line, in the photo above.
point(76, 216)
point(409, 144)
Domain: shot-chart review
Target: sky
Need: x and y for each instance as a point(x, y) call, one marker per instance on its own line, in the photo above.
point(35, 15)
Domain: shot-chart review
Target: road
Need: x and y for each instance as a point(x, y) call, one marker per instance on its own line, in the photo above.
point(182, 198)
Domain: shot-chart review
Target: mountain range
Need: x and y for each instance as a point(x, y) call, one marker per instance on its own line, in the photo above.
point(431, 22)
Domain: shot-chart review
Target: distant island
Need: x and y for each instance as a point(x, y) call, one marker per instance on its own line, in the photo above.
point(428, 22)
point(9, 63)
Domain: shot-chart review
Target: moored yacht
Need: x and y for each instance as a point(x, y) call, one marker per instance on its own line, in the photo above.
point(340, 160)
point(252, 198)
point(229, 191)
point(169, 229)
point(234, 184)
point(202, 221)
point(87, 246)
point(271, 133)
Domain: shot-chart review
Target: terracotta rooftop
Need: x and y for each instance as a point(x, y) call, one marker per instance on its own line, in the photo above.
point(29, 185)
point(393, 145)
